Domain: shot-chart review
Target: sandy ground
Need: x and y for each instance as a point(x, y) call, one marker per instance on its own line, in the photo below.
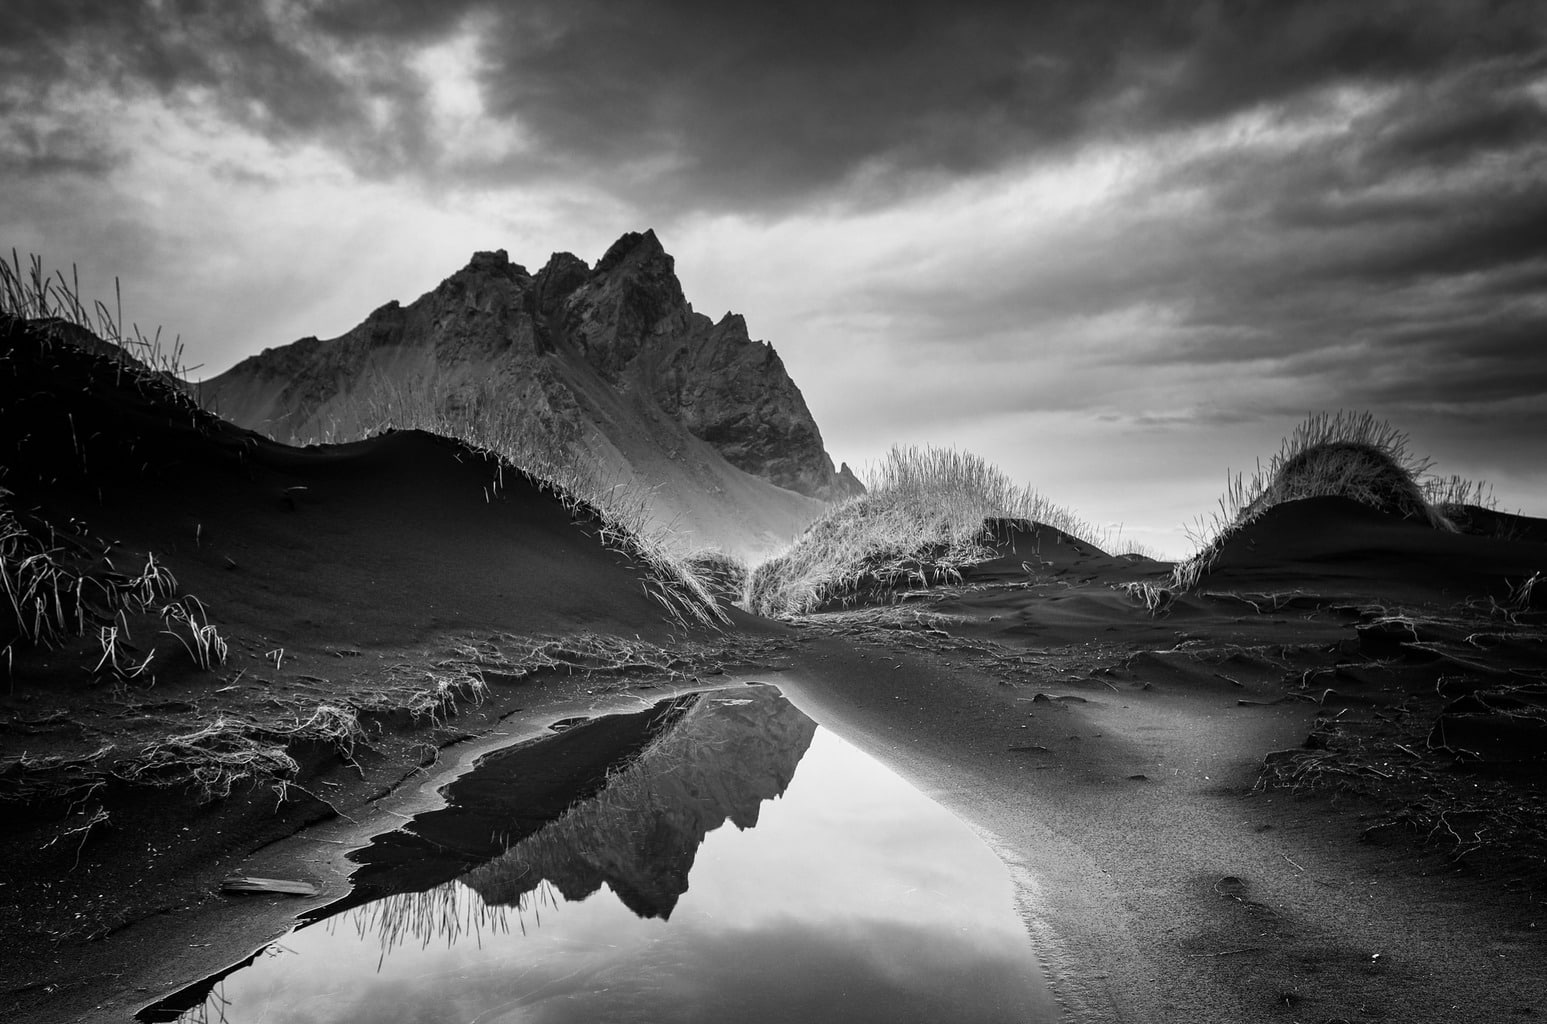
point(1120, 773)
point(1159, 885)
point(1311, 791)
point(1117, 776)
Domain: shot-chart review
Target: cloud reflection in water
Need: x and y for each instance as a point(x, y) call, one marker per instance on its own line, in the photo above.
point(855, 898)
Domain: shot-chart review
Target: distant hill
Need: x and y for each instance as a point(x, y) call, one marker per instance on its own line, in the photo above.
point(610, 361)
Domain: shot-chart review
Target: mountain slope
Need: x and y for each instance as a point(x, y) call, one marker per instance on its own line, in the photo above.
point(610, 361)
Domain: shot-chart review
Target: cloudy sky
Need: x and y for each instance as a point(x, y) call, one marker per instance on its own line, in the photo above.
point(1116, 248)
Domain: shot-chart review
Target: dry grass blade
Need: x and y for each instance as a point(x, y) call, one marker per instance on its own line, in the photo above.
point(116, 659)
point(445, 914)
point(51, 594)
point(1455, 492)
point(26, 778)
point(213, 760)
point(154, 584)
point(520, 658)
point(36, 585)
point(1155, 598)
point(227, 752)
point(426, 695)
point(203, 641)
point(1520, 594)
point(98, 816)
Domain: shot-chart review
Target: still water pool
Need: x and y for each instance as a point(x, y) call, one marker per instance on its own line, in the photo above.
point(704, 879)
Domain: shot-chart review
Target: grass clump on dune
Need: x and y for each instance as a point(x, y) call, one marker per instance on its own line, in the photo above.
point(52, 306)
point(926, 516)
point(1346, 455)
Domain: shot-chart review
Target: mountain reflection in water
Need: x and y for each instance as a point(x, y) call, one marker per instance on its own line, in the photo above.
point(639, 835)
point(854, 899)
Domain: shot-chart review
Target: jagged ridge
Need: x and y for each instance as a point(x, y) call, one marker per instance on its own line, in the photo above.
point(728, 754)
point(543, 343)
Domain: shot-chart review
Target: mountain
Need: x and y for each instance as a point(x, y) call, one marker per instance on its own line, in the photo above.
point(734, 750)
point(609, 361)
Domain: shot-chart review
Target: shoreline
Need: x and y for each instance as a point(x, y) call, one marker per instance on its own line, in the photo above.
point(1193, 897)
point(1179, 896)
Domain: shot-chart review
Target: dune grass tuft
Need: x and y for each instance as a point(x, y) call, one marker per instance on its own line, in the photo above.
point(53, 305)
point(226, 752)
point(1451, 496)
point(925, 517)
point(724, 574)
point(51, 594)
point(1348, 455)
point(430, 694)
point(212, 760)
point(203, 642)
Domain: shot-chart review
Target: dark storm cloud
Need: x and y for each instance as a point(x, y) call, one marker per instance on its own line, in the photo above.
point(1392, 255)
point(759, 106)
point(1217, 58)
point(1440, 239)
point(692, 103)
point(267, 73)
point(1433, 272)
point(1461, 127)
point(762, 106)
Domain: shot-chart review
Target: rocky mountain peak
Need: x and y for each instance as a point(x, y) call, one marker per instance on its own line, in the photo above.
point(637, 248)
point(496, 260)
point(615, 349)
point(631, 296)
point(637, 270)
point(494, 265)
